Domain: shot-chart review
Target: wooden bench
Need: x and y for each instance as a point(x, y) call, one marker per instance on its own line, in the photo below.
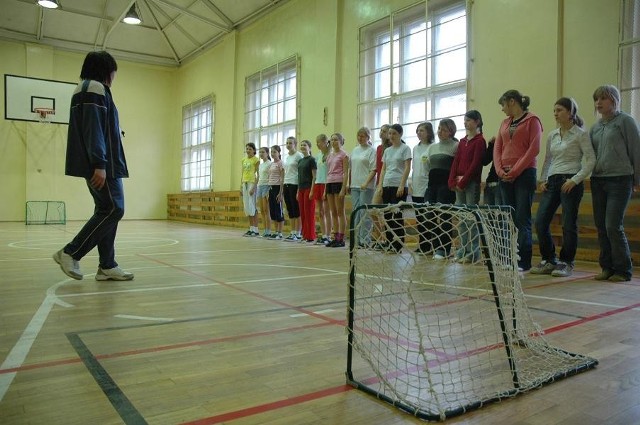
point(225, 209)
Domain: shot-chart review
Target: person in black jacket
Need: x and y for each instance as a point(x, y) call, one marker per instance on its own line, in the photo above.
point(492, 194)
point(95, 153)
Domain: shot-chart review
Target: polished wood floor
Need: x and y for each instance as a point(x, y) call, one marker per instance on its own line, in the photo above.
point(217, 328)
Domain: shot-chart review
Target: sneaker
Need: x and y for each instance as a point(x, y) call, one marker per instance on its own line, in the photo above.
point(291, 238)
point(544, 267)
point(266, 235)
point(604, 275)
point(276, 237)
point(68, 265)
point(248, 233)
point(254, 234)
point(562, 270)
point(338, 244)
point(380, 246)
point(439, 256)
point(618, 278)
point(115, 273)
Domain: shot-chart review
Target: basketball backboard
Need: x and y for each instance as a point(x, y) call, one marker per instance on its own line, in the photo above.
point(23, 95)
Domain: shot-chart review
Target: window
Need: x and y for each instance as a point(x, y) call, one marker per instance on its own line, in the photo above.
point(413, 68)
point(271, 104)
point(197, 145)
point(629, 54)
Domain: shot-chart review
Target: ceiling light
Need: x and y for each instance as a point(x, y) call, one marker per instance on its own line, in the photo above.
point(49, 4)
point(132, 17)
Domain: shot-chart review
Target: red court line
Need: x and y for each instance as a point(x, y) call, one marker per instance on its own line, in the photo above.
point(242, 413)
point(230, 416)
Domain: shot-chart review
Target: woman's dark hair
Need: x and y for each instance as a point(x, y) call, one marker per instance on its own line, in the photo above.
point(476, 116)
point(98, 66)
point(398, 128)
point(266, 151)
point(431, 136)
point(523, 101)
point(276, 148)
point(570, 105)
point(252, 146)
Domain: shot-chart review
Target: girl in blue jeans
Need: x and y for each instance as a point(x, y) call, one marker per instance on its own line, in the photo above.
point(568, 161)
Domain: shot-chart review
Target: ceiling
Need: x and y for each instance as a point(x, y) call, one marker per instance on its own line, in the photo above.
point(171, 32)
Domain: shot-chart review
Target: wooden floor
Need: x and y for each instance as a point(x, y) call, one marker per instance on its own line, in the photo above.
point(217, 328)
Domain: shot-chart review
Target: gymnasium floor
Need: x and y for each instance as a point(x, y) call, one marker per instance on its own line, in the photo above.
point(217, 328)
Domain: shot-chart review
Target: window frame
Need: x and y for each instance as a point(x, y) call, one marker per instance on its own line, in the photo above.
point(284, 106)
point(374, 103)
point(196, 170)
point(628, 55)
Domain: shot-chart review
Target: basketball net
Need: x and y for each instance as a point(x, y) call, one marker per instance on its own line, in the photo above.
point(44, 115)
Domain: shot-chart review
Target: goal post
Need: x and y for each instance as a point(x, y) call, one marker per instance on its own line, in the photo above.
point(45, 212)
point(439, 336)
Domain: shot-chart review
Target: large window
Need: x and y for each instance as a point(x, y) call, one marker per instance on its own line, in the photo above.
point(271, 104)
point(629, 53)
point(413, 68)
point(197, 145)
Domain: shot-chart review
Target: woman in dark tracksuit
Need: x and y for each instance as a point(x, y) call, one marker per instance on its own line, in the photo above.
point(95, 153)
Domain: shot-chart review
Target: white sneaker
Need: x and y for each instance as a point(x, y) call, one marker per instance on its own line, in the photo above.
point(439, 257)
point(115, 273)
point(69, 266)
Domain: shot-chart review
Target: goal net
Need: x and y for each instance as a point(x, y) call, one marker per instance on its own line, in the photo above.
point(45, 212)
point(438, 336)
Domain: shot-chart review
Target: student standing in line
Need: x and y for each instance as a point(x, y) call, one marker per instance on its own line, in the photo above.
point(378, 233)
point(263, 189)
point(306, 186)
point(249, 181)
point(568, 161)
point(514, 156)
point(420, 181)
point(322, 143)
point(290, 188)
point(336, 189)
point(464, 179)
point(276, 182)
point(393, 184)
point(441, 156)
point(95, 153)
point(616, 142)
point(362, 182)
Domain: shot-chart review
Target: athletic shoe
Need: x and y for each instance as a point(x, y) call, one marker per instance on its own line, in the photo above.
point(331, 244)
point(68, 265)
point(276, 237)
point(322, 240)
point(338, 244)
point(544, 267)
point(266, 235)
point(254, 234)
point(248, 233)
point(618, 278)
point(439, 256)
point(291, 238)
point(604, 275)
point(115, 273)
point(562, 270)
point(468, 260)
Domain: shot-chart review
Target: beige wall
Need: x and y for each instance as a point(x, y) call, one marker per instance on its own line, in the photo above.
point(544, 48)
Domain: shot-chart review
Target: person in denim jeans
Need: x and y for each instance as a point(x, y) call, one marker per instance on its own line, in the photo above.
point(616, 142)
point(514, 156)
point(568, 161)
point(362, 183)
point(464, 179)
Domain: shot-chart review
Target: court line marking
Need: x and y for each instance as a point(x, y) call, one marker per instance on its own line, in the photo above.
point(150, 319)
point(329, 310)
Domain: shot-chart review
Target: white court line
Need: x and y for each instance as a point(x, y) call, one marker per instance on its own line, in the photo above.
point(152, 319)
point(329, 310)
point(21, 349)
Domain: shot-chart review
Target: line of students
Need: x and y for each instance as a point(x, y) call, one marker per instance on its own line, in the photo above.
point(450, 172)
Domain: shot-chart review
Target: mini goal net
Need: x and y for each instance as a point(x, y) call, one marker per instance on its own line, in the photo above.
point(439, 337)
point(45, 212)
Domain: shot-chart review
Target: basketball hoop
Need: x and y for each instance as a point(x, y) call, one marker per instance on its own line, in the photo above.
point(44, 114)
